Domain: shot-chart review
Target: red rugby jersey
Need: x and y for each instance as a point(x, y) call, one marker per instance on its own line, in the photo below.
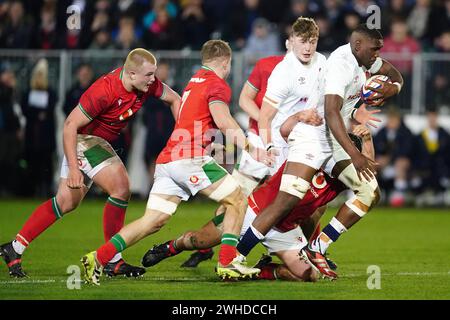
point(192, 132)
point(258, 80)
point(323, 190)
point(110, 106)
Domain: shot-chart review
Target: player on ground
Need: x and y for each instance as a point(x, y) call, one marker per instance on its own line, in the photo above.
point(329, 147)
point(104, 109)
point(286, 239)
point(184, 168)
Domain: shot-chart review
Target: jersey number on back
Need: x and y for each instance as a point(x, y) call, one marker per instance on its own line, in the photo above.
point(183, 100)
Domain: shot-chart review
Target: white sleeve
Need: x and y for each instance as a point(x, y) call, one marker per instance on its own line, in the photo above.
point(279, 84)
point(376, 66)
point(337, 77)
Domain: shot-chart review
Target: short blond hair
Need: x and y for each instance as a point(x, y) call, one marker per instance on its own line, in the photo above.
point(214, 49)
point(137, 57)
point(39, 75)
point(306, 28)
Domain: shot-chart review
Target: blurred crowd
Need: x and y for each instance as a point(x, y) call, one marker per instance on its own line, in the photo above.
point(257, 26)
point(410, 164)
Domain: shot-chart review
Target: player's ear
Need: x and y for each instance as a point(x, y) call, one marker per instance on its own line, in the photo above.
point(133, 75)
point(358, 45)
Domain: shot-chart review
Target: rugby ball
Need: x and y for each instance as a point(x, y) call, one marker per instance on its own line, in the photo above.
point(366, 90)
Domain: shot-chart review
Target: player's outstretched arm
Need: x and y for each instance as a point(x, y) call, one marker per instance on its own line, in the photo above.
point(333, 105)
point(173, 99)
point(233, 132)
point(309, 116)
point(247, 101)
point(74, 121)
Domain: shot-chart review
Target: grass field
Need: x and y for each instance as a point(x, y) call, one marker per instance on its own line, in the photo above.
point(410, 246)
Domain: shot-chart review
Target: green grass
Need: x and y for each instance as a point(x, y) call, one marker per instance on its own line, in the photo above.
point(411, 247)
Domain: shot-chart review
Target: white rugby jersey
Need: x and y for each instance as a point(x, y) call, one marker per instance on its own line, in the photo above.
point(290, 84)
point(344, 77)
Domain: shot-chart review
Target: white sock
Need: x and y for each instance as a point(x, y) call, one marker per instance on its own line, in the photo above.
point(338, 226)
point(258, 234)
point(116, 258)
point(18, 247)
point(319, 245)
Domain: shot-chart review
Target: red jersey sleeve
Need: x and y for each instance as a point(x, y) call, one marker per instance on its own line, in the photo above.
point(219, 91)
point(95, 99)
point(255, 77)
point(156, 89)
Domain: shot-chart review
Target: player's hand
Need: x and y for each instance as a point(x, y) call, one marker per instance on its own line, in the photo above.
point(366, 117)
point(364, 166)
point(310, 116)
point(385, 91)
point(263, 156)
point(75, 179)
point(362, 131)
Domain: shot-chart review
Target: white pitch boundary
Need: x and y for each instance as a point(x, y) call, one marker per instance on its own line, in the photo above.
point(350, 275)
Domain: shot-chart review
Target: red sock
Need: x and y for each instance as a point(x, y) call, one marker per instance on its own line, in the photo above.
point(42, 218)
point(105, 253)
point(173, 251)
point(268, 272)
point(113, 216)
point(226, 254)
point(315, 234)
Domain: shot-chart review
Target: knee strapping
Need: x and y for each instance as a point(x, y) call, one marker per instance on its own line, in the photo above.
point(294, 185)
point(158, 203)
point(365, 191)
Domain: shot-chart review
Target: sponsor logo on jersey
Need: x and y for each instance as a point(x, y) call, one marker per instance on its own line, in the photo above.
point(119, 102)
point(126, 115)
point(309, 156)
point(319, 181)
point(194, 179)
point(197, 80)
point(355, 96)
point(355, 80)
point(302, 80)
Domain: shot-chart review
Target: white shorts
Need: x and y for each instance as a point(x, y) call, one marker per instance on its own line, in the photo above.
point(249, 166)
point(315, 153)
point(187, 177)
point(94, 154)
point(276, 241)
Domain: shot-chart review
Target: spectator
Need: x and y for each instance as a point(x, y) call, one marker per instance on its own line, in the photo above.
point(400, 43)
point(297, 8)
point(159, 121)
point(85, 76)
point(395, 9)
point(17, 30)
point(195, 24)
point(150, 16)
point(38, 107)
point(262, 42)
point(11, 135)
point(332, 10)
point(242, 17)
point(439, 20)
point(328, 42)
point(418, 18)
point(433, 157)
point(47, 36)
point(164, 32)
point(126, 37)
point(102, 40)
point(360, 6)
point(393, 149)
point(346, 23)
